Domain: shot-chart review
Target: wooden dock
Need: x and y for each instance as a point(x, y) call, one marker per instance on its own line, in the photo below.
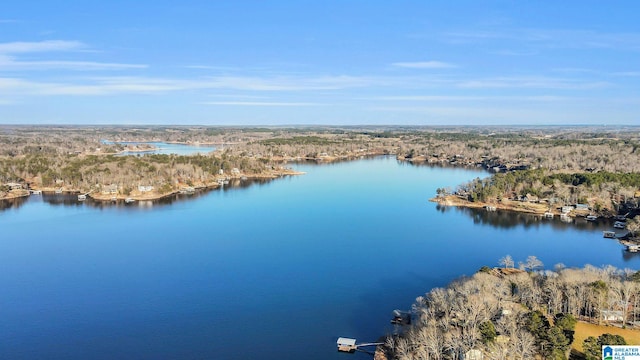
point(349, 345)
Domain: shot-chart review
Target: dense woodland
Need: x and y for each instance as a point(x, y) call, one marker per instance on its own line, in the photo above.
point(568, 165)
point(605, 192)
point(507, 313)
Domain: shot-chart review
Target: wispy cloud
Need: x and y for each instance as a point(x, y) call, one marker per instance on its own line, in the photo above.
point(286, 83)
point(627, 73)
point(10, 64)
point(209, 67)
point(424, 65)
point(259, 103)
point(443, 98)
point(550, 38)
point(142, 85)
point(532, 82)
point(39, 46)
point(9, 61)
point(236, 96)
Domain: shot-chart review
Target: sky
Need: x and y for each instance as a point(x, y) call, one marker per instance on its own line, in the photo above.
point(333, 62)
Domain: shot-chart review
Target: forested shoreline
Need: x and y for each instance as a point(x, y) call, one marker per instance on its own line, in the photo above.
point(596, 166)
point(506, 313)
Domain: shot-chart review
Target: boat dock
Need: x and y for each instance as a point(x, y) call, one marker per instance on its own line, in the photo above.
point(349, 345)
point(630, 246)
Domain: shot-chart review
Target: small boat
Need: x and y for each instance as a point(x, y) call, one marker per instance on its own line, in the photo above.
point(401, 318)
point(36, 192)
point(619, 225)
point(620, 217)
point(58, 191)
point(609, 234)
point(548, 215)
point(591, 218)
point(82, 197)
point(129, 200)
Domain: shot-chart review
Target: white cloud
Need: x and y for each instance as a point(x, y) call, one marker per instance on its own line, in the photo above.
point(531, 82)
point(425, 65)
point(441, 98)
point(286, 83)
point(8, 61)
point(258, 103)
point(10, 64)
point(39, 46)
point(142, 85)
point(627, 74)
point(551, 38)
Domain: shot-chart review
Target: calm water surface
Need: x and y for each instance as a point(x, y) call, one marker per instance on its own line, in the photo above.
point(166, 148)
point(276, 270)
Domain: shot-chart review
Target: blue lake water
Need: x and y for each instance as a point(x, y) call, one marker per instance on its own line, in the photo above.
point(166, 148)
point(273, 270)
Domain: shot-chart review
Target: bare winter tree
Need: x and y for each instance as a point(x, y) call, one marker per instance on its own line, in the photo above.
point(507, 261)
point(532, 263)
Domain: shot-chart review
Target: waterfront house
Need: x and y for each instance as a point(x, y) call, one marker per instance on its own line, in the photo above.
point(14, 186)
point(110, 189)
point(143, 188)
point(235, 171)
point(567, 209)
point(582, 207)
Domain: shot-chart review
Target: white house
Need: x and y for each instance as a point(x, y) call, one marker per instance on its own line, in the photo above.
point(14, 186)
point(612, 315)
point(473, 354)
point(143, 188)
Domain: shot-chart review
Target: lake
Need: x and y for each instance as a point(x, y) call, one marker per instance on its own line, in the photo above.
point(266, 270)
point(164, 148)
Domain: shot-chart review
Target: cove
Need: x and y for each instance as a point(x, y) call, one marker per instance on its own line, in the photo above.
point(274, 270)
point(164, 148)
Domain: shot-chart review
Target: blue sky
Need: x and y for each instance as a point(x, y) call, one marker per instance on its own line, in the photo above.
point(320, 62)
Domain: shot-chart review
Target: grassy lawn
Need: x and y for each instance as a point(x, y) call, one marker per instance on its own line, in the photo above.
point(584, 330)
